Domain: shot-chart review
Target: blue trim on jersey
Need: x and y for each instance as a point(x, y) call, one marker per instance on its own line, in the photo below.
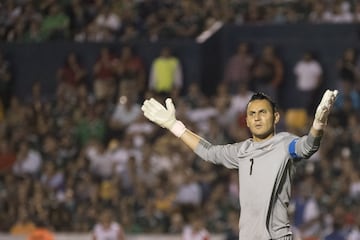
point(292, 149)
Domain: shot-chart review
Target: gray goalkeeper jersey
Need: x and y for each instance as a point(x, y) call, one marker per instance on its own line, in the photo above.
point(265, 172)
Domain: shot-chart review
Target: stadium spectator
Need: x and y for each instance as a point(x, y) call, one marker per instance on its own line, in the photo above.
point(196, 229)
point(23, 225)
point(78, 15)
point(307, 211)
point(193, 96)
point(354, 233)
point(308, 72)
point(339, 13)
point(268, 72)
point(125, 112)
point(346, 65)
point(238, 68)
point(17, 33)
point(91, 126)
point(104, 83)
point(253, 14)
point(166, 73)
point(71, 74)
point(221, 100)
point(189, 195)
point(52, 178)
point(189, 21)
point(318, 13)
point(55, 24)
point(41, 232)
point(232, 232)
point(215, 209)
point(107, 228)
point(130, 71)
point(28, 160)
point(108, 20)
point(176, 223)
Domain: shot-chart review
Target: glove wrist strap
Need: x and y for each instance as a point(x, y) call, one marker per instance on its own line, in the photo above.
point(178, 128)
point(318, 125)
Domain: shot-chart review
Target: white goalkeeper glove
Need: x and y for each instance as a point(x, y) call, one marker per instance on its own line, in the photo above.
point(323, 110)
point(164, 117)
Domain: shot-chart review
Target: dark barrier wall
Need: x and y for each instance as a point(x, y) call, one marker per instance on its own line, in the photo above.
point(39, 62)
point(203, 63)
point(327, 42)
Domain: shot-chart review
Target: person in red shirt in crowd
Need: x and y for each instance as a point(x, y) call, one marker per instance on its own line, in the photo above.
point(71, 74)
point(104, 75)
point(130, 71)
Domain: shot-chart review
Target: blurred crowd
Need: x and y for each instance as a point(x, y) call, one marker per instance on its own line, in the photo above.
point(88, 149)
point(122, 20)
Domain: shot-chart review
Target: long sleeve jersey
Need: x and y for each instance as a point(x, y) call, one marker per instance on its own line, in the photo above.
point(265, 173)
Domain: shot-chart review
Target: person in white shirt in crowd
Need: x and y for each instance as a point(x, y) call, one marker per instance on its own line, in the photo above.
point(354, 188)
point(125, 112)
point(52, 177)
point(201, 115)
point(28, 160)
point(138, 130)
point(107, 228)
point(189, 192)
point(196, 229)
point(354, 233)
point(340, 13)
point(108, 19)
point(318, 13)
point(118, 156)
point(239, 100)
point(308, 72)
point(101, 163)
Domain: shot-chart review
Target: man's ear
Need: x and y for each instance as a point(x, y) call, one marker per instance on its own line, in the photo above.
point(276, 117)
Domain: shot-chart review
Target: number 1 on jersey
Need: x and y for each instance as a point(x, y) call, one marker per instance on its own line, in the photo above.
point(251, 165)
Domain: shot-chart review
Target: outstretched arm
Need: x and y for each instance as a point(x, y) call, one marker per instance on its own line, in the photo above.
point(191, 139)
point(308, 145)
point(165, 117)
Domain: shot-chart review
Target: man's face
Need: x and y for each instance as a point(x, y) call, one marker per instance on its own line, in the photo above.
point(261, 120)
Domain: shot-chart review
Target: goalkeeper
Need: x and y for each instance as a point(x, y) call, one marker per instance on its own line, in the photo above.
point(265, 162)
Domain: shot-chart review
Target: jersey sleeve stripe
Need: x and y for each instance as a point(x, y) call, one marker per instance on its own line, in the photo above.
point(292, 148)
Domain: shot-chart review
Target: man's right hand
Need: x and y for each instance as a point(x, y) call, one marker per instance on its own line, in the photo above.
point(163, 116)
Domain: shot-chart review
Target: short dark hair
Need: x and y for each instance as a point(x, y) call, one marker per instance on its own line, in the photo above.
point(263, 96)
